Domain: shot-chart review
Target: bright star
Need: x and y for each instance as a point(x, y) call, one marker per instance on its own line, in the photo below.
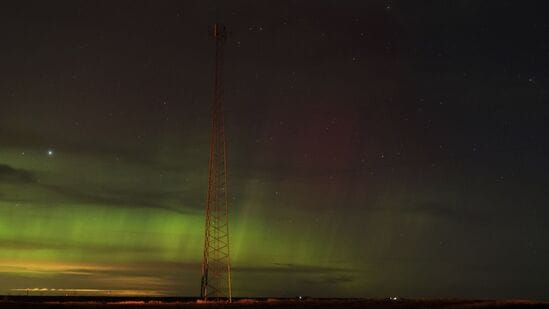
point(50, 152)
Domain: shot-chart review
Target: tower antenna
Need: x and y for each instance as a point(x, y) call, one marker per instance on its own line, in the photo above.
point(216, 264)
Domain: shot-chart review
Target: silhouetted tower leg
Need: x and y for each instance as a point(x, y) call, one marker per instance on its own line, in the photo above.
point(216, 265)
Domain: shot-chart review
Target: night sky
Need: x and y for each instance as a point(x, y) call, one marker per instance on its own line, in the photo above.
point(376, 148)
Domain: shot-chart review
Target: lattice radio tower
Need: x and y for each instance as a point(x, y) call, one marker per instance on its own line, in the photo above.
point(216, 264)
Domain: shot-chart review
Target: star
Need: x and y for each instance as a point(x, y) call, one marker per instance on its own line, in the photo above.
point(50, 152)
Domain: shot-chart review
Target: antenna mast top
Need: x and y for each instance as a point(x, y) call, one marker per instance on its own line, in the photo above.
point(219, 32)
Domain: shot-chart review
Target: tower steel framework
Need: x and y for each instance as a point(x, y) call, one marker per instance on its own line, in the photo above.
point(216, 264)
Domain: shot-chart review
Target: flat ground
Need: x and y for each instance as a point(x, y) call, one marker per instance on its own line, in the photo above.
point(75, 302)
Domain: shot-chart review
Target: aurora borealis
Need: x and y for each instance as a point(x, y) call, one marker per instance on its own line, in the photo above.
point(376, 148)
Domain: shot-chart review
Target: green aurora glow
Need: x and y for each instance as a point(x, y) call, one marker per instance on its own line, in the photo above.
point(59, 216)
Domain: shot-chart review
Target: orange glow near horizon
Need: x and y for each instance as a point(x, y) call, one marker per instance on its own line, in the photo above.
point(53, 291)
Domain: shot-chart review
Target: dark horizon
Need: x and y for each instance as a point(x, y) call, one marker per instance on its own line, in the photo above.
point(375, 148)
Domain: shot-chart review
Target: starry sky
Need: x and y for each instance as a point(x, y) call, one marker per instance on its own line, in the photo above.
point(375, 148)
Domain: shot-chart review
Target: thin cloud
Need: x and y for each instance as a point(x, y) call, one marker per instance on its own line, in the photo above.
point(111, 198)
point(292, 268)
point(13, 175)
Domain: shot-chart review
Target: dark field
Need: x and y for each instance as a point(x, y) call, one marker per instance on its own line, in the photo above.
point(121, 302)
